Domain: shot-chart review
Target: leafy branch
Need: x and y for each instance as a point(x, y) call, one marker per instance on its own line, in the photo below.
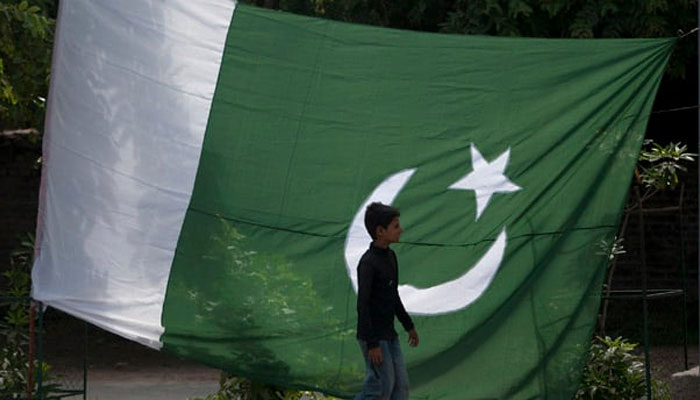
point(659, 165)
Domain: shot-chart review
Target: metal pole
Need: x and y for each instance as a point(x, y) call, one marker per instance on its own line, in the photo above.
point(684, 280)
point(698, 69)
point(32, 342)
point(85, 362)
point(645, 307)
point(39, 353)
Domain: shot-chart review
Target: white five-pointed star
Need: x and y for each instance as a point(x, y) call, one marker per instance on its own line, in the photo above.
point(486, 179)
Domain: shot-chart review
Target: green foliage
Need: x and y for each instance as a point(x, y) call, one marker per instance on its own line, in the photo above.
point(576, 19)
point(425, 15)
point(614, 372)
point(611, 249)
point(579, 19)
point(659, 165)
point(26, 40)
point(14, 326)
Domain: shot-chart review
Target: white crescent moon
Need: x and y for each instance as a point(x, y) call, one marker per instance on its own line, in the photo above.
point(439, 299)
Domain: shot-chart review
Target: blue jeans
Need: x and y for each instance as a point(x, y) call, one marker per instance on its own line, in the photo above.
point(389, 380)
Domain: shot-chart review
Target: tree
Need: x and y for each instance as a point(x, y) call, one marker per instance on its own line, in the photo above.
point(579, 19)
point(422, 15)
point(26, 39)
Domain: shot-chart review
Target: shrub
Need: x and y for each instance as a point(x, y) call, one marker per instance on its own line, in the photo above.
point(614, 372)
point(14, 327)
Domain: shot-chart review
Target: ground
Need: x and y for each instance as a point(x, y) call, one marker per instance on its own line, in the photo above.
point(121, 369)
point(667, 360)
point(117, 368)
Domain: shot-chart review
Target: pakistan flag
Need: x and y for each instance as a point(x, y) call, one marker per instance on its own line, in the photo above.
point(207, 166)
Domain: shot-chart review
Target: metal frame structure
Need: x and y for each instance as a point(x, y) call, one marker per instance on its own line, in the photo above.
point(698, 72)
point(36, 336)
point(646, 294)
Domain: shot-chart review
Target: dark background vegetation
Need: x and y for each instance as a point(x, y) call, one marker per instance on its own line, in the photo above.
point(26, 38)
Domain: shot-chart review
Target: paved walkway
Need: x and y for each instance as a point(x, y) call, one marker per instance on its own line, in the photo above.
point(149, 390)
point(133, 382)
point(149, 375)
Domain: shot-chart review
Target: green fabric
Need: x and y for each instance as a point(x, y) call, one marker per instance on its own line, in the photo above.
point(309, 116)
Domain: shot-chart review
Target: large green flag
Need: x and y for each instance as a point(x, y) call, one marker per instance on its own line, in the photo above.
point(509, 158)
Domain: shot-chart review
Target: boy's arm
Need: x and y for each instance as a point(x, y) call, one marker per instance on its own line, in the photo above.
point(399, 309)
point(406, 321)
point(365, 276)
point(402, 315)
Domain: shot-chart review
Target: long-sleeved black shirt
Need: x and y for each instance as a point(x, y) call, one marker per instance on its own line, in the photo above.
point(378, 297)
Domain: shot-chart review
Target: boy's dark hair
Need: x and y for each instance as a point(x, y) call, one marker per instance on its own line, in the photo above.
point(378, 214)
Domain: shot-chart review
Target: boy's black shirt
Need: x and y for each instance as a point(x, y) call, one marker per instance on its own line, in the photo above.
point(378, 297)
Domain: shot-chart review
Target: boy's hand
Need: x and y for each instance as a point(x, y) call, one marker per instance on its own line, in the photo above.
point(412, 338)
point(375, 355)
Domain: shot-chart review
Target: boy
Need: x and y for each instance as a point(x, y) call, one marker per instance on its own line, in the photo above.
point(377, 303)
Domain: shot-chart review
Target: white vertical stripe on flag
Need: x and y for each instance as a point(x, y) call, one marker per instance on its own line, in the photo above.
point(132, 85)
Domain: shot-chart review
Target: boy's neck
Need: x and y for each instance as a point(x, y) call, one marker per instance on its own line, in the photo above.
point(381, 244)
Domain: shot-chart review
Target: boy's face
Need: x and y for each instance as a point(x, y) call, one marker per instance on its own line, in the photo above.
point(391, 233)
